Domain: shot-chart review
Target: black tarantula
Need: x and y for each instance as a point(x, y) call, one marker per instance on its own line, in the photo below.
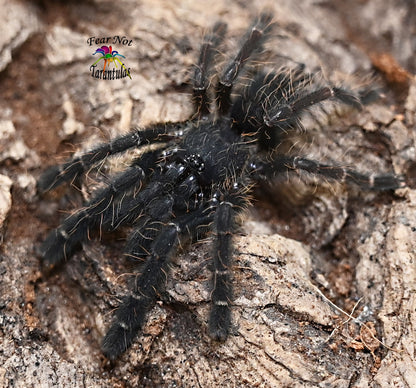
point(200, 179)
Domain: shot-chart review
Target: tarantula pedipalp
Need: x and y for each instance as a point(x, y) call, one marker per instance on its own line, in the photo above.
point(200, 179)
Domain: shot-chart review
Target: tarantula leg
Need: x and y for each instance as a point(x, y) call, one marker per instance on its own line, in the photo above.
point(148, 227)
point(156, 212)
point(283, 164)
point(140, 240)
point(252, 42)
point(281, 113)
point(200, 97)
point(56, 175)
point(64, 240)
point(224, 225)
point(127, 210)
point(131, 314)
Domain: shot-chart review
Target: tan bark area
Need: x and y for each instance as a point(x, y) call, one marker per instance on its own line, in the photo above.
point(336, 308)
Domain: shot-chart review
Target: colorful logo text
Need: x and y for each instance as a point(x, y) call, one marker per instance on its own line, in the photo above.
point(108, 55)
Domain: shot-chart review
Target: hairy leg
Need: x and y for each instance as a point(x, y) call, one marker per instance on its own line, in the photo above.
point(209, 47)
point(286, 164)
point(63, 241)
point(70, 170)
point(130, 316)
point(224, 226)
point(252, 42)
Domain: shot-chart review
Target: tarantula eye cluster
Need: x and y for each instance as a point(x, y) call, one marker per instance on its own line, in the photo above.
point(199, 180)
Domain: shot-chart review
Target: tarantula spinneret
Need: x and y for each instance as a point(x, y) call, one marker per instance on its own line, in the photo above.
point(200, 179)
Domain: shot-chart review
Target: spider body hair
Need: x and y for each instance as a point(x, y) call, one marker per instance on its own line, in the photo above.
point(200, 180)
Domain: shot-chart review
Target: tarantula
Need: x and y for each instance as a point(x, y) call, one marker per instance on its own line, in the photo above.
point(201, 177)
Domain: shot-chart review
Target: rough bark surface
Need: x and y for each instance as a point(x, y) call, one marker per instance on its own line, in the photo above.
point(336, 308)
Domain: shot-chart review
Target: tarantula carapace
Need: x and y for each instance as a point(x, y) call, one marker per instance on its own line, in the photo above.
point(200, 180)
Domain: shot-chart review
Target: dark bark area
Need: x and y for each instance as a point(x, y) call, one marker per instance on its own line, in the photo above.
point(336, 308)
